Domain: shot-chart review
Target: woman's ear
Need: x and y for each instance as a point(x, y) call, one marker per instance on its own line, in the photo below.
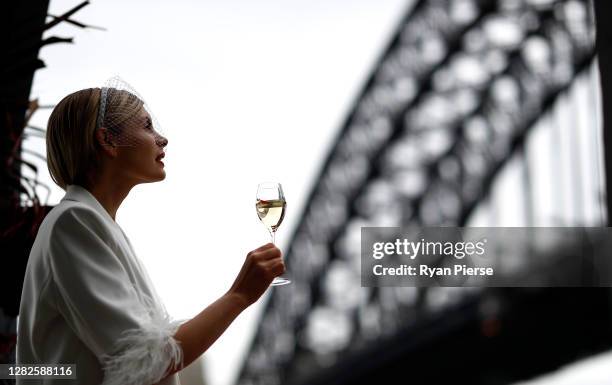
point(105, 142)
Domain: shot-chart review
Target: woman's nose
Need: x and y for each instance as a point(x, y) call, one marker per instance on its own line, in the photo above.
point(161, 141)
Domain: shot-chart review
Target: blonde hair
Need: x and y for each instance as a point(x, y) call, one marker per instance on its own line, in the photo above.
point(72, 148)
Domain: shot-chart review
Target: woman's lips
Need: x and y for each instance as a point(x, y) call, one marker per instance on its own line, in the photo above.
point(160, 157)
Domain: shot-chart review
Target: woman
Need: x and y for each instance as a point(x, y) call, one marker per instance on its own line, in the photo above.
point(87, 299)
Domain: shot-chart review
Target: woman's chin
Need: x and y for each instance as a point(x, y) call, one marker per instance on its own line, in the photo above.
point(158, 176)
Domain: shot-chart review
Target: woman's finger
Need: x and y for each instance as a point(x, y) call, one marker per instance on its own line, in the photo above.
point(270, 253)
point(264, 247)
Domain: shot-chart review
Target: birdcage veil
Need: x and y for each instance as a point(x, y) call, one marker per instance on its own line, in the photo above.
point(122, 113)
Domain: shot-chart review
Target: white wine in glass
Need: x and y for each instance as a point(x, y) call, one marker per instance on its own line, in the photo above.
point(270, 208)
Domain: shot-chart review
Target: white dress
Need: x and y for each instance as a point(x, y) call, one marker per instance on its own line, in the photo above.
point(87, 300)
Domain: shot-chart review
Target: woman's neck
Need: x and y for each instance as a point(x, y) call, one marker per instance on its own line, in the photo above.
point(110, 195)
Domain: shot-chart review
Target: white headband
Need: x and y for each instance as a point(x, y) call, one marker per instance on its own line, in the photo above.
point(102, 110)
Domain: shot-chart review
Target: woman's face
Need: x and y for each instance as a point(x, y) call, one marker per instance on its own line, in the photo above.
point(140, 162)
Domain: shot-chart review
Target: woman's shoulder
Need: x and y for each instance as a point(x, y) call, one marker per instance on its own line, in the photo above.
point(64, 225)
point(70, 217)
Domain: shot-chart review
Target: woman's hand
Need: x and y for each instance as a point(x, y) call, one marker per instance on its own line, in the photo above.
point(258, 271)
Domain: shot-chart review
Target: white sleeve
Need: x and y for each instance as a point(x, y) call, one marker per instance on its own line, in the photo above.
point(132, 339)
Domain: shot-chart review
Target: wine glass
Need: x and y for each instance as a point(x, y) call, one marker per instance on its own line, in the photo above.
point(270, 208)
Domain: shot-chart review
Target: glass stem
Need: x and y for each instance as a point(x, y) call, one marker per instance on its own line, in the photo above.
point(272, 233)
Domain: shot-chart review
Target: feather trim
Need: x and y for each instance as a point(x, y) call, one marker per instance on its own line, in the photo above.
point(144, 354)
